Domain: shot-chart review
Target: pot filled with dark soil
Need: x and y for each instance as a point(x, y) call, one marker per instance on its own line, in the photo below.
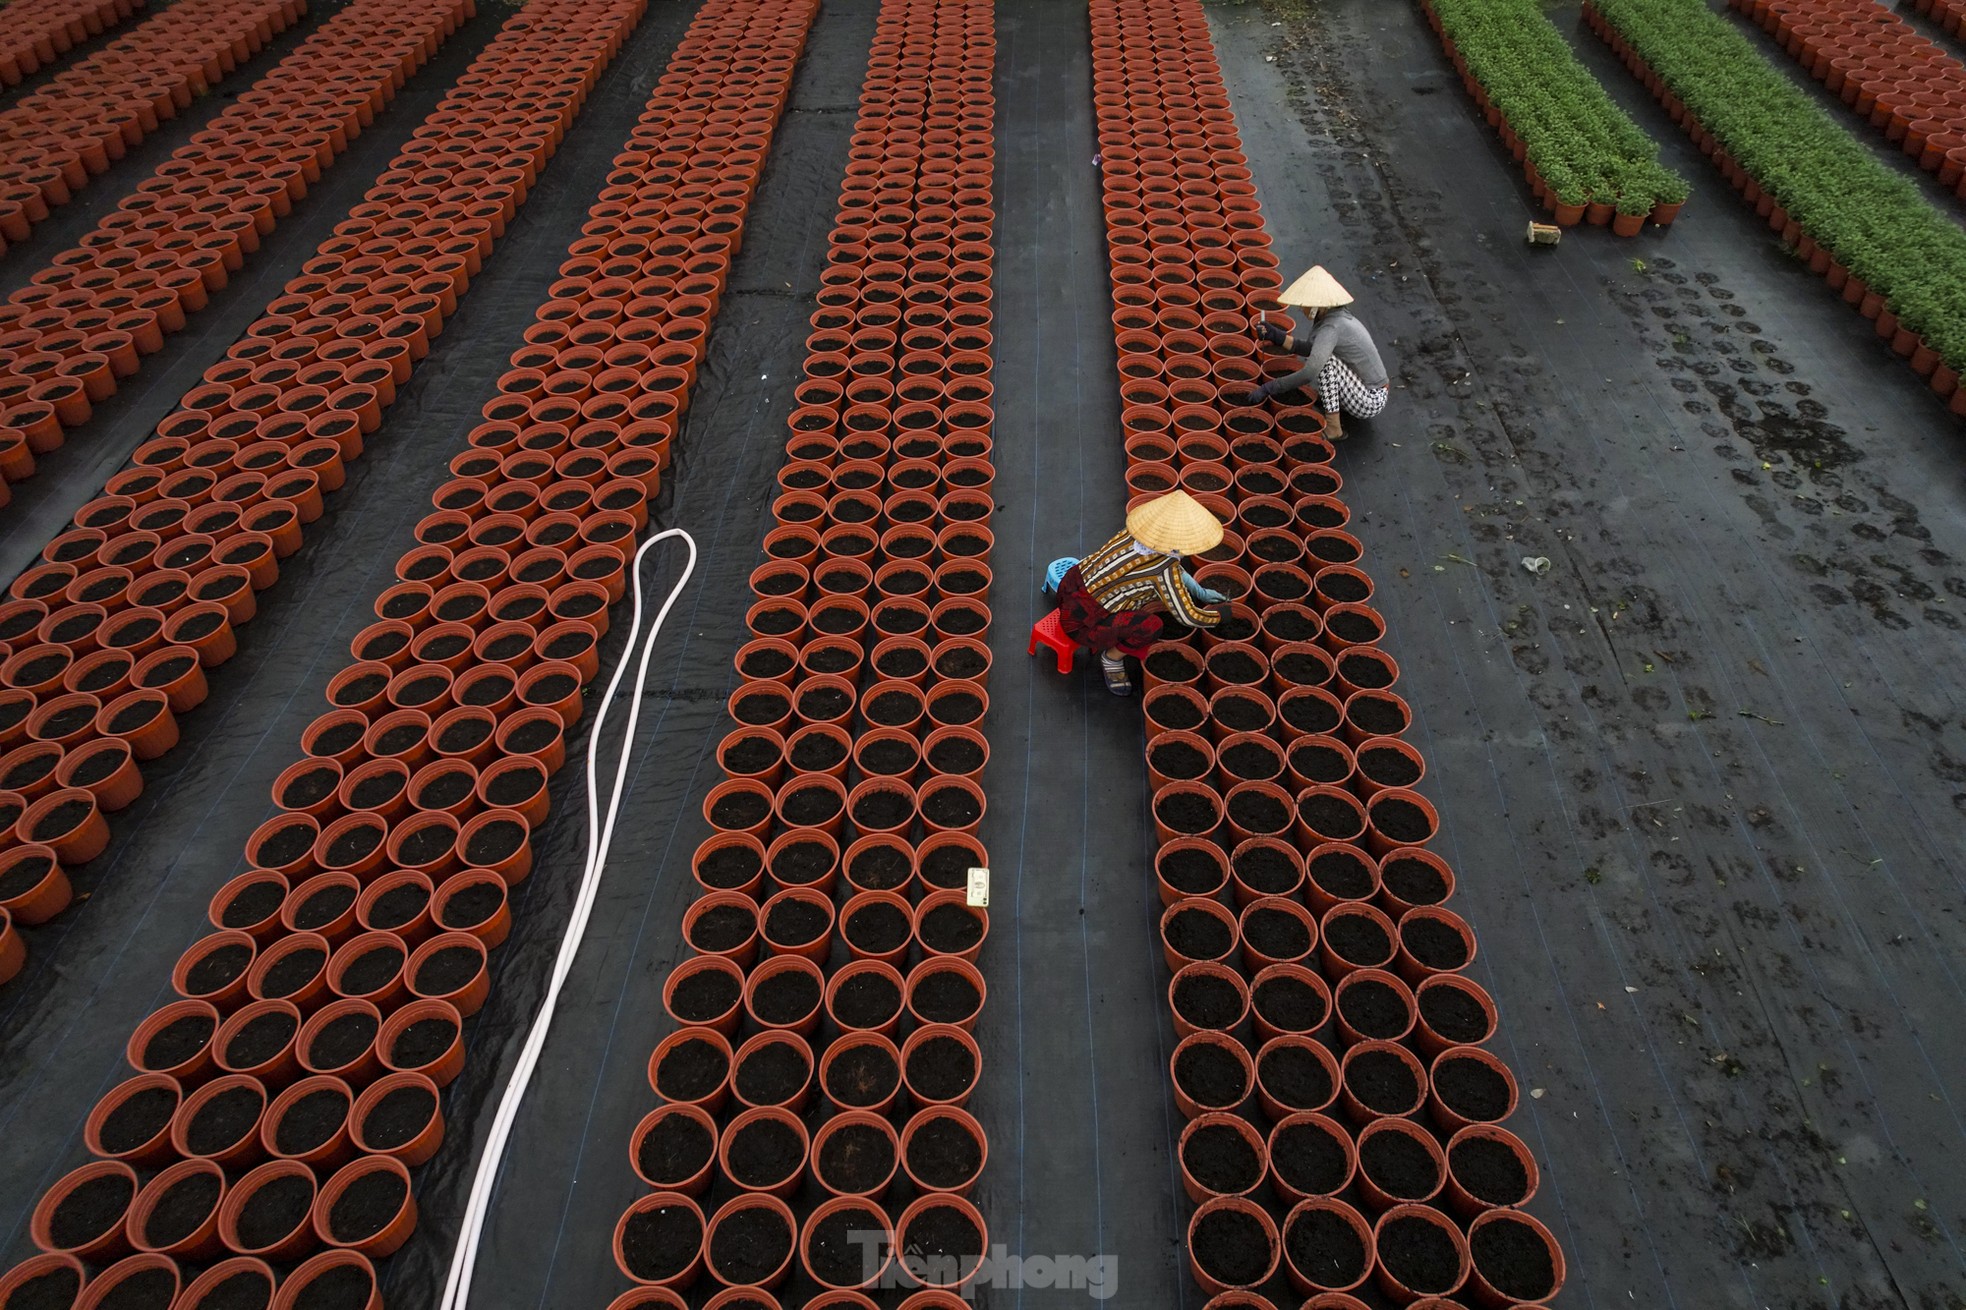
point(1189, 867)
point(1212, 1072)
point(773, 1069)
point(674, 1148)
point(940, 1065)
point(750, 1241)
point(942, 1240)
point(866, 996)
point(945, 989)
point(1420, 1253)
point(856, 1154)
point(1288, 998)
point(1398, 1161)
point(848, 1243)
point(706, 990)
point(944, 1150)
point(1295, 1074)
point(1207, 997)
point(1469, 1085)
point(765, 1151)
point(1221, 1155)
point(1232, 1243)
point(1328, 1245)
point(785, 992)
point(861, 1071)
point(658, 1241)
point(1373, 1005)
point(1516, 1259)
point(1381, 1079)
point(1196, 931)
point(1310, 1155)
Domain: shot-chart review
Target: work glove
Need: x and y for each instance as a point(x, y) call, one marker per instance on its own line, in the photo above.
point(1260, 394)
point(1199, 594)
point(1274, 333)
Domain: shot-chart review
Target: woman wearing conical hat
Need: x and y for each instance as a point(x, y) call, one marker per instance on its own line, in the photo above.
point(1113, 599)
point(1340, 361)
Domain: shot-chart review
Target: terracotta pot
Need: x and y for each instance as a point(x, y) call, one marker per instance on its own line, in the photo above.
point(202, 1242)
point(1199, 1191)
point(1310, 1121)
point(698, 1179)
point(441, 1068)
point(197, 1293)
point(105, 1284)
point(47, 897)
point(304, 988)
point(778, 1187)
point(936, 1275)
point(1237, 1205)
point(1389, 1281)
point(710, 1099)
point(317, 1268)
point(681, 1278)
point(108, 1244)
point(384, 1240)
point(738, 1205)
point(367, 1134)
point(294, 1245)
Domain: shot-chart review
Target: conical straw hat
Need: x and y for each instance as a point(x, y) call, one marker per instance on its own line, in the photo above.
point(1317, 289)
point(1176, 523)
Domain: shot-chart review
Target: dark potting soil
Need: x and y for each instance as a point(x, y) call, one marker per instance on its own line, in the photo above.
point(1401, 820)
point(333, 740)
point(398, 1117)
point(1177, 713)
point(861, 1076)
point(498, 840)
point(310, 1121)
point(1326, 1248)
point(723, 928)
point(881, 810)
point(447, 970)
point(1354, 628)
point(552, 689)
point(91, 1209)
point(691, 1071)
point(218, 969)
point(891, 709)
point(1196, 934)
point(1259, 812)
point(833, 660)
point(1173, 665)
point(950, 807)
point(1320, 763)
point(1383, 1083)
point(740, 811)
point(1454, 1014)
point(372, 970)
point(471, 904)
point(60, 725)
point(941, 1069)
point(749, 1246)
point(942, 1238)
point(1400, 1165)
point(1232, 1247)
point(490, 690)
point(1241, 713)
point(963, 582)
point(660, 1243)
point(761, 707)
point(1341, 874)
point(465, 735)
point(1364, 672)
point(422, 1043)
point(249, 1289)
point(427, 844)
point(825, 704)
point(275, 1209)
point(958, 708)
point(342, 1040)
point(1414, 881)
point(675, 1150)
point(836, 620)
point(357, 691)
point(532, 737)
point(948, 866)
point(178, 1041)
point(1514, 1259)
point(1188, 813)
point(877, 928)
point(1236, 667)
point(516, 786)
point(1178, 760)
point(747, 755)
point(1266, 869)
point(1289, 1004)
point(444, 647)
point(55, 1290)
point(837, 1252)
point(1211, 1075)
point(1221, 1159)
point(1471, 1089)
point(1420, 1254)
point(1489, 1171)
point(901, 664)
point(1358, 940)
point(1295, 1077)
point(818, 752)
point(785, 998)
point(945, 996)
point(960, 663)
point(1331, 817)
point(866, 1000)
point(147, 1289)
point(1309, 1158)
point(137, 1119)
point(224, 1120)
point(944, 1153)
point(772, 1075)
point(777, 622)
point(705, 995)
point(134, 717)
point(184, 1205)
point(1192, 871)
point(951, 929)
point(957, 755)
point(1433, 943)
point(729, 866)
point(351, 847)
point(262, 1038)
point(1375, 717)
point(256, 902)
point(1235, 628)
point(366, 1206)
point(398, 906)
point(764, 665)
point(1252, 761)
point(765, 1153)
point(1388, 767)
point(1302, 670)
point(1208, 1001)
point(310, 788)
point(796, 922)
point(961, 621)
point(857, 1158)
point(1375, 1010)
point(330, 903)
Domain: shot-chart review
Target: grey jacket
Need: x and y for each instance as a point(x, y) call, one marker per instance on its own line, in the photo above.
point(1337, 333)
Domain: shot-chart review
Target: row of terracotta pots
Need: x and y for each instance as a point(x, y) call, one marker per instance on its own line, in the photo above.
point(151, 1279)
point(80, 326)
point(1948, 14)
point(542, 76)
point(38, 32)
point(1293, 690)
point(889, 471)
point(75, 126)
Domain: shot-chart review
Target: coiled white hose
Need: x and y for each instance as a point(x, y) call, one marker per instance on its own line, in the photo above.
point(600, 836)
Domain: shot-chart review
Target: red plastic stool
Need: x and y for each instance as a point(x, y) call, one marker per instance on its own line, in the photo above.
point(1051, 631)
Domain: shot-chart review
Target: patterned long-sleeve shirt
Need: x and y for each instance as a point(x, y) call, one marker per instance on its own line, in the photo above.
point(1123, 576)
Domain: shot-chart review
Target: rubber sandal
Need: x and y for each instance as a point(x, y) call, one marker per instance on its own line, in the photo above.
point(1117, 680)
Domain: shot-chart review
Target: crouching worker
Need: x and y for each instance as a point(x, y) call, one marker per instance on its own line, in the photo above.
point(1113, 599)
point(1340, 362)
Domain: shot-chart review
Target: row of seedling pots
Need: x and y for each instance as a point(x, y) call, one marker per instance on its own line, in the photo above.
point(152, 603)
point(344, 1276)
point(77, 124)
point(175, 241)
point(845, 824)
point(1301, 905)
point(39, 32)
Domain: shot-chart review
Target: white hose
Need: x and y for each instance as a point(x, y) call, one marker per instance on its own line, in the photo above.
point(600, 837)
